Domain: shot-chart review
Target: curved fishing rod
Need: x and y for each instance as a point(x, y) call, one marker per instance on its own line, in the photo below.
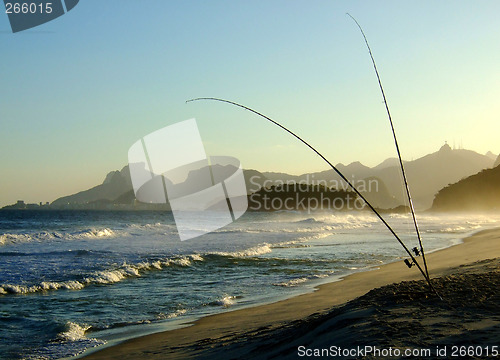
point(426, 277)
point(410, 201)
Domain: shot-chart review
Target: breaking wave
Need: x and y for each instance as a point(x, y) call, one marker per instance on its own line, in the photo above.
point(254, 251)
point(71, 333)
point(176, 313)
point(93, 234)
point(301, 280)
point(225, 301)
point(309, 221)
point(102, 277)
point(41, 236)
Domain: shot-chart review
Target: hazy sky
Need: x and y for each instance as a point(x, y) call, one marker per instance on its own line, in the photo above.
point(77, 92)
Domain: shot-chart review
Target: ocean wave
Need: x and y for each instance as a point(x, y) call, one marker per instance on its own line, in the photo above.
point(73, 332)
point(53, 253)
point(43, 286)
point(176, 313)
point(225, 301)
point(297, 281)
point(292, 283)
point(7, 238)
point(41, 236)
point(102, 277)
point(70, 341)
point(459, 229)
point(241, 231)
point(399, 216)
point(298, 227)
point(314, 237)
point(93, 234)
point(348, 220)
point(308, 221)
point(157, 227)
point(297, 245)
point(251, 252)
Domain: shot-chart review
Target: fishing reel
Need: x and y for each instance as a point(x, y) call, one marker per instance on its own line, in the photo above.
point(416, 251)
point(410, 263)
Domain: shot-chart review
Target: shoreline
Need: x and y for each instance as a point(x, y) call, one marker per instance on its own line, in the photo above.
point(179, 343)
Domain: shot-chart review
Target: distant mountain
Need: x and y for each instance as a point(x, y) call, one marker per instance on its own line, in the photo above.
point(126, 198)
point(378, 194)
point(479, 192)
point(359, 175)
point(279, 176)
point(355, 169)
point(429, 174)
point(114, 185)
point(390, 162)
point(426, 175)
point(116, 188)
point(382, 185)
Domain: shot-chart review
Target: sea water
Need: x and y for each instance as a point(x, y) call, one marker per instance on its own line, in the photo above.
point(74, 280)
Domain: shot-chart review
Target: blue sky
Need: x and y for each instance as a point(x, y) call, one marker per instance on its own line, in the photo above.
point(79, 91)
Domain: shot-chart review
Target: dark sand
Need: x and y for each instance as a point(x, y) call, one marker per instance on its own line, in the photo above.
point(390, 308)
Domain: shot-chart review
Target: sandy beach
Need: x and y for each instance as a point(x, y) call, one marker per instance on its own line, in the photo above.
point(389, 307)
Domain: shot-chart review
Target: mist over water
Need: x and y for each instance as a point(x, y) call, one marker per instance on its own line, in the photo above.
point(71, 280)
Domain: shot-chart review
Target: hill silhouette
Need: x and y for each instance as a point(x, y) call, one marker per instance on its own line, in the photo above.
point(479, 192)
point(429, 174)
point(116, 189)
point(497, 161)
point(114, 185)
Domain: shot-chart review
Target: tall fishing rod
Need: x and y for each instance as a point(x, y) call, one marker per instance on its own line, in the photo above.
point(426, 277)
point(410, 201)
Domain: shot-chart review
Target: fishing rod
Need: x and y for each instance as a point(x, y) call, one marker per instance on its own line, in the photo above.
point(410, 201)
point(414, 260)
